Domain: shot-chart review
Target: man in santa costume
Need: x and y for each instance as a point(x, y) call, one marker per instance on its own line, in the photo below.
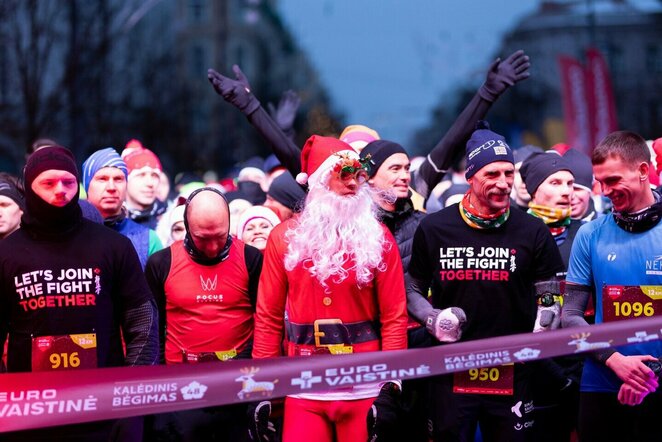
point(331, 283)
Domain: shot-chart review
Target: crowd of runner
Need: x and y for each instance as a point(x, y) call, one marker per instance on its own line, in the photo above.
point(343, 246)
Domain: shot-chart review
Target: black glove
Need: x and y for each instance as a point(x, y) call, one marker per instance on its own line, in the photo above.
point(384, 414)
point(237, 92)
point(260, 428)
point(503, 74)
point(286, 111)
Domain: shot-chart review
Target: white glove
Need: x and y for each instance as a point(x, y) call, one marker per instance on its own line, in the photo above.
point(548, 318)
point(446, 325)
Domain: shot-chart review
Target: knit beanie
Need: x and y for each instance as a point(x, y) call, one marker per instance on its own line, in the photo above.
point(49, 158)
point(524, 152)
point(539, 166)
point(581, 167)
point(380, 151)
point(256, 212)
point(40, 215)
point(107, 157)
point(271, 163)
point(287, 192)
point(485, 147)
point(10, 191)
point(319, 155)
point(358, 136)
point(132, 145)
point(139, 158)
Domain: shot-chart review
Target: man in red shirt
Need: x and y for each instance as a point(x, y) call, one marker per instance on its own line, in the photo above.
point(205, 287)
point(334, 274)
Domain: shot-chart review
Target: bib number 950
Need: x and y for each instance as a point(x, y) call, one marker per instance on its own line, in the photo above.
point(635, 309)
point(484, 374)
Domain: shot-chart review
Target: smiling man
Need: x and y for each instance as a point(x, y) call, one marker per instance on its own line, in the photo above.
point(482, 260)
point(105, 181)
point(614, 259)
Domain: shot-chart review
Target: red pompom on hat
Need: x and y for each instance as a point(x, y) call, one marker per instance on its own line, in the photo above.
point(657, 148)
point(132, 145)
point(137, 159)
point(319, 154)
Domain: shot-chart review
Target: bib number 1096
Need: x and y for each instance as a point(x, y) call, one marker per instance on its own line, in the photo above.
point(64, 360)
point(484, 374)
point(633, 309)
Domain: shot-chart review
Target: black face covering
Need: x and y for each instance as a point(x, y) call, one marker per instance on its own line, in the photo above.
point(642, 220)
point(43, 218)
point(189, 245)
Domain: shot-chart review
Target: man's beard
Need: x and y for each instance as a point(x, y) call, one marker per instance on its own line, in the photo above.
point(336, 235)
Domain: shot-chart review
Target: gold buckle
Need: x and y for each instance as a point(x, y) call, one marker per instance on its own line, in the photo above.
point(320, 334)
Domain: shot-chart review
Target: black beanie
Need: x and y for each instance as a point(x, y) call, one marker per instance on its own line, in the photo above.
point(39, 215)
point(537, 167)
point(581, 167)
point(379, 151)
point(10, 191)
point(49, 158)
point(485, 147)
point(287, 191)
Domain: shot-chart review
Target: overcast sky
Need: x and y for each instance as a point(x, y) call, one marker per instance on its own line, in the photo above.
point(387, 62)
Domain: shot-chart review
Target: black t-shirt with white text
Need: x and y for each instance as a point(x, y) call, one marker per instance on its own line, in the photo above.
point(489, 273)
point(79, 283)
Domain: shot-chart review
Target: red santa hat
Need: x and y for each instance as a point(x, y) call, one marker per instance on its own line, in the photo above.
point(319, 155)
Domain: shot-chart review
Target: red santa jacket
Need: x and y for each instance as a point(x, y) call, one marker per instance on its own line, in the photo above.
point(306, 300)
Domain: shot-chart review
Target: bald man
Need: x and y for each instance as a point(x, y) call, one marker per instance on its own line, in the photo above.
point(205, 287)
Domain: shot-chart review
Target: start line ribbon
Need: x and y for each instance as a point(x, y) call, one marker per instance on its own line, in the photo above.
point(33, 400)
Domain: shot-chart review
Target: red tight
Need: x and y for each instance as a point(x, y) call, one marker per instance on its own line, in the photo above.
point(306, 420)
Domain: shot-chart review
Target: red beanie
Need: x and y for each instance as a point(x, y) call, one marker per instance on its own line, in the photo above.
point(140, 158)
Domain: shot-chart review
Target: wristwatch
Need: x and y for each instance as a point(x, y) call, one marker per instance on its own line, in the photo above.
point(656, 366)
point(548, 299)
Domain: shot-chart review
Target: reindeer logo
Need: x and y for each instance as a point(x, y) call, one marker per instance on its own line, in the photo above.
point(250, 388)
point(580, 340)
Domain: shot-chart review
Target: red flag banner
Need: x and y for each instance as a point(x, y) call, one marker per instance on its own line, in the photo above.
point(600, 96)
point(575, 105)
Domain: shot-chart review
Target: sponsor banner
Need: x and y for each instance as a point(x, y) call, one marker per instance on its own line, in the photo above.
point(600, 96)
point(31, 400)
point(575, 105)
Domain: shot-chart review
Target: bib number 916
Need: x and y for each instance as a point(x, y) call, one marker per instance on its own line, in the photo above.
point(484, 374)
point(633, 309)
point(64, 360)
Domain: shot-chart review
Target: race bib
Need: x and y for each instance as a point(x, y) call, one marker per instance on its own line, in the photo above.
point(64, 352)
point(621, 302)
point(492, 380)
point(208, 356)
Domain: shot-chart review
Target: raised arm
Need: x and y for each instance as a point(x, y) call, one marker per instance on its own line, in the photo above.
point(500, 76)
point(286, 112)
point(238, 92)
